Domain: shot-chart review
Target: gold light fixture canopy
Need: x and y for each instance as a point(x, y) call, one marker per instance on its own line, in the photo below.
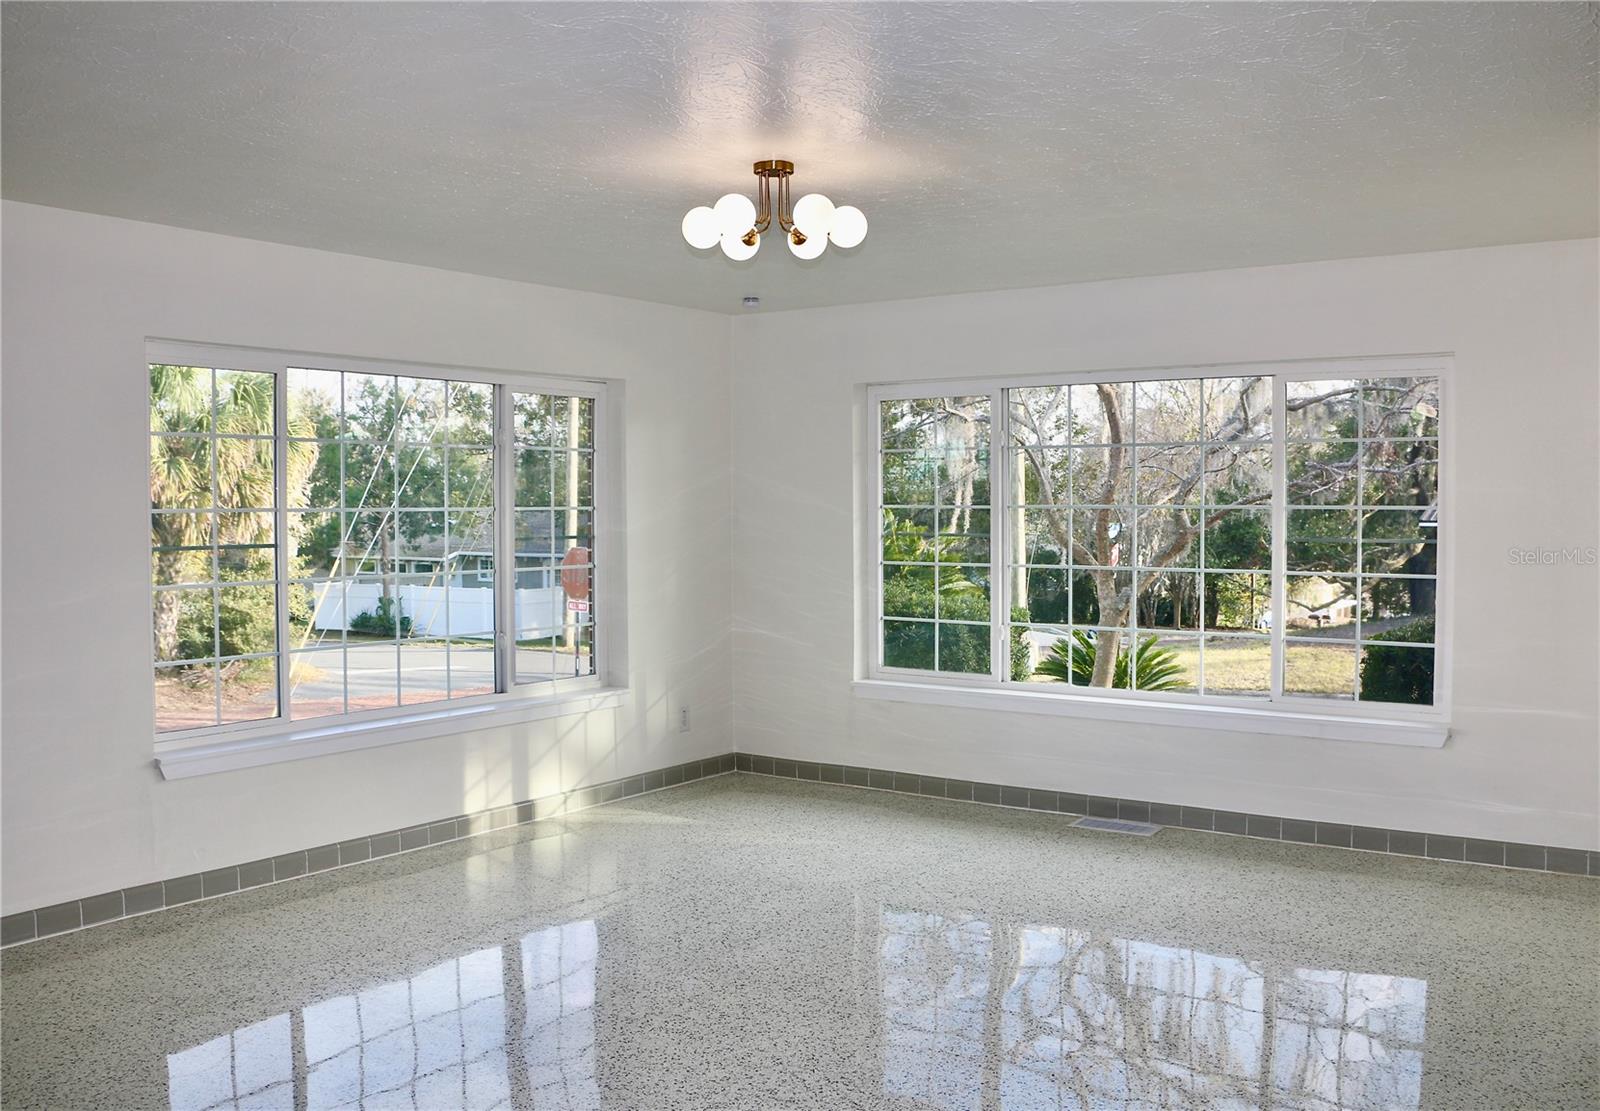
point(808, 226)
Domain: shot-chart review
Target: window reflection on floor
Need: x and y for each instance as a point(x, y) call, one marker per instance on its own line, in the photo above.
point(435, 1039)
point(558, 967)
point(252, 1067)
point(1066, 1019)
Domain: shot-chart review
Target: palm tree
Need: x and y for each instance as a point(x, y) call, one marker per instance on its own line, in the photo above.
point(185, 461)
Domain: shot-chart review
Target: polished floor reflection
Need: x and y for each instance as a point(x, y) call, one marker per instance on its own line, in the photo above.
point(750, 943)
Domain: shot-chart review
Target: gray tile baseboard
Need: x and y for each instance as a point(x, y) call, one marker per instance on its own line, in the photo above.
point(1396, 842)
point(95, 910)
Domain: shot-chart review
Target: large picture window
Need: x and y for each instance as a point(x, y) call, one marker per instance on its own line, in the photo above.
point(1246, 536)
point(329, 541)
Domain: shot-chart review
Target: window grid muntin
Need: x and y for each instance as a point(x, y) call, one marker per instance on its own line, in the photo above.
point(1435, 369)
point(213, 513)
point(569, 478)
point(279, 365)
point(981, 461)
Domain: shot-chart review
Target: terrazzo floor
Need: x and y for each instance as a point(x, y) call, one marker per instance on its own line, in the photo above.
point(749, 943)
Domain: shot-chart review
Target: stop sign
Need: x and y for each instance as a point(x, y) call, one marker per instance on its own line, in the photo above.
point(575, 574)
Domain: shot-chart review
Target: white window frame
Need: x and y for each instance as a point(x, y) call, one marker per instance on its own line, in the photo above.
point(1275, 713)
point(182, 753)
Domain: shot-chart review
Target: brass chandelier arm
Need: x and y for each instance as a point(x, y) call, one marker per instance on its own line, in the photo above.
point(766, 172)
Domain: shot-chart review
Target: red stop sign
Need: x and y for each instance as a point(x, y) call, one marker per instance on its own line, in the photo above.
point(575, 574)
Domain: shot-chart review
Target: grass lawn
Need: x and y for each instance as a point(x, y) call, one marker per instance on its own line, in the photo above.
point(1325, 670)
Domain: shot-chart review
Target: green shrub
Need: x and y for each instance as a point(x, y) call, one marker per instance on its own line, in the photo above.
point(1071, 660)
point(382, 622)
point(962, 648)
point(1395, 674)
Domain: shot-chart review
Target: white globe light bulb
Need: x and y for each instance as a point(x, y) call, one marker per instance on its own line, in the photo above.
point(735, 216)
point(737, 249)
point(813, 215)
point(811, 248)
point(700, 228)
point(849, 227)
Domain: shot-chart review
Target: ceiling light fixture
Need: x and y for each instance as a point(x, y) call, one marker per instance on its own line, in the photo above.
point(738, 225)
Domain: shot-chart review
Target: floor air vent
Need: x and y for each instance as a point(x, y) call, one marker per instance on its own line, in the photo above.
point(1117, 825)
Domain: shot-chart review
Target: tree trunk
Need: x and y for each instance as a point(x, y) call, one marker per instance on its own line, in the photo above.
point(166, 607)
point(1108, 641)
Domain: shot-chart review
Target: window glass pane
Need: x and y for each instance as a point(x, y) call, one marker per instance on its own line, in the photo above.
point(470, 412)
point(372, 671)
point(1323, 473)
point(1237, 474)
point(1167, 411)
point(573, 418)
point(908, 644)
point(1329, 410)
point(535, 477)
point(1401, 609)
point(316, 683)
point(963, 649)
point(316, 614)
point(908, 591)
point(1042, 654)
point(1319, 669)
point(1102, 536)
point(1400, 472)
point(370, 403)
point(909, 478)
point(420, 477)
point(1238, 408)
point(186, 697)
point(181, 548)
point(1102, 413)
point(1237, 666)
point(470, 477)
point(1169, 600)
point(315, 541)
point(180, 399)
point(1323, 605)
point(1239, 539)
point(1238, 602)
point(249, 690)
point(573, 478)
point(421, 417)
point(1400, 407)
point(1042, 595)
point(180, 472)
point(1392, 673)
point(963, 592)
point(471, 668)
point(1166, 662)
point(1041, 415)
point(316, 400)
point(1170, 474)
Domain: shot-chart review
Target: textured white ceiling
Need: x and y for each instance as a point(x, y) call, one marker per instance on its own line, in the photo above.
point(991, 145)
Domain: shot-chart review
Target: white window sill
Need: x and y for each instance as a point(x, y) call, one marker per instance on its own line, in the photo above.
point(301, 742)
point(1275, 720)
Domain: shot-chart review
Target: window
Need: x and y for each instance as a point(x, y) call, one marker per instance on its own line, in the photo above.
point(326, 540)
point(1242, 537)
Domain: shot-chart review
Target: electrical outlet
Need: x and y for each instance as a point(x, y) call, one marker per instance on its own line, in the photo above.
point(683, 719)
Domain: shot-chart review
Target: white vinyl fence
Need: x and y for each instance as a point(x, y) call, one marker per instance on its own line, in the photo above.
point(440, 610)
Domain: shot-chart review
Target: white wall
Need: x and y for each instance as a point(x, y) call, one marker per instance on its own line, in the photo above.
point(1524, 759)
point(84, 809)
